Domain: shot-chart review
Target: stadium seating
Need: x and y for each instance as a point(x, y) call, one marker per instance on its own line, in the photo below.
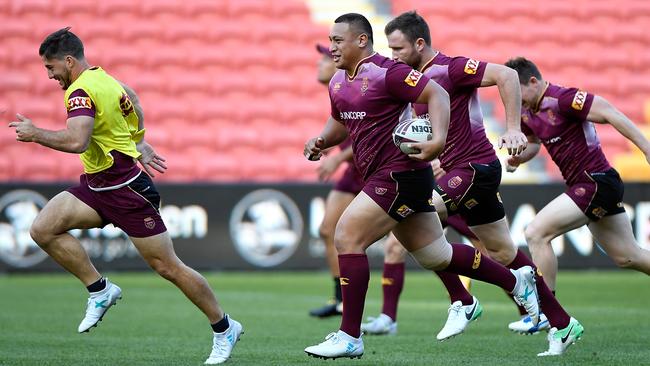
point(219, 79)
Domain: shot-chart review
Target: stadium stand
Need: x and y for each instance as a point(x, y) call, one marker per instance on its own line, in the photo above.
point(218, 78)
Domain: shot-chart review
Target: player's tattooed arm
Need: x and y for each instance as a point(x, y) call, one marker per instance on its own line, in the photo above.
point(604, 112)
point(73, 139)
point(333, 134)
point(534, 144)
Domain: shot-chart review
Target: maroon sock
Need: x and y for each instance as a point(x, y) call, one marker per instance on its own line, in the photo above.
point(392, 282)
point(355, 274)
point(471, 263)
point(555, 313)
point(455, 288)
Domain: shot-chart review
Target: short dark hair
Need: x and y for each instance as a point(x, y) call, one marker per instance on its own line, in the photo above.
point(358, 22)
point(412, 25)
point(60, 44)
point(525, 68)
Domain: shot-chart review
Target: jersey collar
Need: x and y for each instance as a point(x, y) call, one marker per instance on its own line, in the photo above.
point(356, 68)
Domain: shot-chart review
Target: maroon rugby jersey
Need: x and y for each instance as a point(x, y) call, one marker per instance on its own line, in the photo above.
point(370, 104)
point(466, 139)
point(560, 122)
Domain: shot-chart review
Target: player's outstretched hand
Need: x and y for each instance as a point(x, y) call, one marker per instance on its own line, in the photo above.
point(25, 129)
point(150, 160)
point(313, 148)
point(512, 164)
point(514, 141)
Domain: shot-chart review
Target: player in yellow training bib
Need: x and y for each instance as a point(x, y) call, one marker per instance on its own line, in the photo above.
point(105, 126)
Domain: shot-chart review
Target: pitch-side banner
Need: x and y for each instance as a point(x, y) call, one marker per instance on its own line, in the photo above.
point(266, 227)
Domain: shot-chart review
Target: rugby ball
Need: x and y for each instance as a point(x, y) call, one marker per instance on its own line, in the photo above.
point(412, 130)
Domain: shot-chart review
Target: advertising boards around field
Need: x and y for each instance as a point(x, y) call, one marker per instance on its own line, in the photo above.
point(267, 227)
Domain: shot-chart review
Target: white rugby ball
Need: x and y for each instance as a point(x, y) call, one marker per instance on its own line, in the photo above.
point(412, 130)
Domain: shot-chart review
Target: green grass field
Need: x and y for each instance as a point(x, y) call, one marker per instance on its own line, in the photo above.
point(155, 325)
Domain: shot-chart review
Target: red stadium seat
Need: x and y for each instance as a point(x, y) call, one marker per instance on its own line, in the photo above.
point(117, 9)
point(241, 8)
point(222, 167)
point(23, 8)
point(207, 8)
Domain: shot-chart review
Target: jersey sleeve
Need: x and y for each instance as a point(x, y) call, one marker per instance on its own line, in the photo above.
point(404, 83)
point(575, 103)
point(79, 103)
point(466, 72)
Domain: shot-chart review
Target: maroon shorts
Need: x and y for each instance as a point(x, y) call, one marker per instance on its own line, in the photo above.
point(599, 195)
point(472, 190)
point(132, 207)
point(351, 181)
point(400, 194)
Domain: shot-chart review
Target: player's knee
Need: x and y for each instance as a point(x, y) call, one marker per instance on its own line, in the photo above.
point(394, 252)
point(435, 256)
point(165, 269)
point(534, 235)
point(40, 232)
point(326, 232)
point(347, 243)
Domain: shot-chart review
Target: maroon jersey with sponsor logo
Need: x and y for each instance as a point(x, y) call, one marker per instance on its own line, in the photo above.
point(370, 104)
point(466, 139)
point(560, 122)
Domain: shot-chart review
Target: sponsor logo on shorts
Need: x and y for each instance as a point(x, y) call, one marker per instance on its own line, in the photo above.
point(364, 86)
point(579, 100)
point(455, 182)
point(599, 212)
point(413, 78)
point(477, 259)
point(344, 281)
point(404, 211)
point(381, 191)
point(75, 103)
point(580, 191)
point(149, 223)
point(471, 66)
point(385, 281)
point(471, 203)
point(336, 87)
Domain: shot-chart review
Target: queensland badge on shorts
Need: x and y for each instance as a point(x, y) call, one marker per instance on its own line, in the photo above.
point(149, 223)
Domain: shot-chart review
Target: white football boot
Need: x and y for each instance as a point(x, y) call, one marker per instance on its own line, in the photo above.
point(560, 339)
point(383, 324)
point(223, 343)
point(336, 345)
point(459, 317)
point(525, 325)
point(525, 292)
point(98, 304)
